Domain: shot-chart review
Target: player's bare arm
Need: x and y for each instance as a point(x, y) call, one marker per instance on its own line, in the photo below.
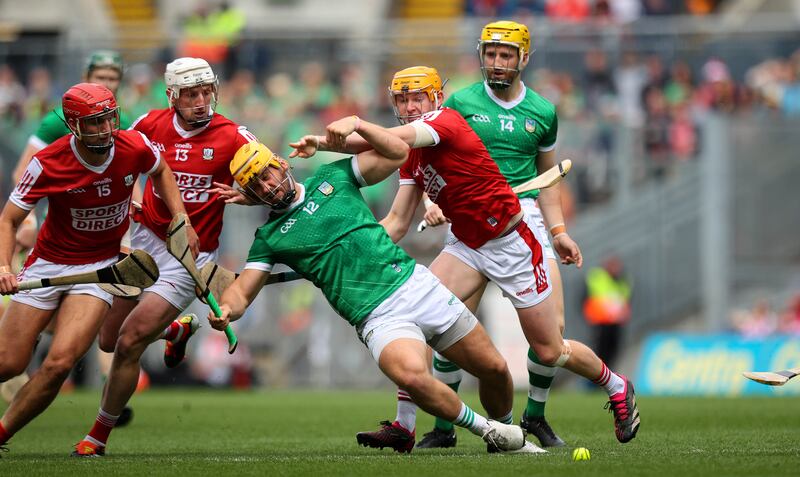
point(237, 297)
point(167, 188)
point(10, 220)
point(550, 204)
point(401, 214)
point(24, 160)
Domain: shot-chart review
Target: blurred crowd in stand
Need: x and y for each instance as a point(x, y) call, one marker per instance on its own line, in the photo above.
point(665, 101)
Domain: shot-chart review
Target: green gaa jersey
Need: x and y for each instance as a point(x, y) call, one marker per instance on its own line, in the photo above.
point(514, 132)
point(331, 238)
point(53, 127)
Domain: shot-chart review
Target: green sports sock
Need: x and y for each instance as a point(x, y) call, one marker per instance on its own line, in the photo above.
point(540, 378)
point(451, 375)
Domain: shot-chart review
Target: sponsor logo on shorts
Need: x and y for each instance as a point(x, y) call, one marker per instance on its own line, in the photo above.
point(453, 300)
point(524, 292)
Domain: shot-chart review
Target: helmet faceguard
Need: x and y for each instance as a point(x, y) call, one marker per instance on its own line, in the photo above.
point(186, 74)
point(263, 176)
point(91, 113)
point(508, 33)
point(417, 79)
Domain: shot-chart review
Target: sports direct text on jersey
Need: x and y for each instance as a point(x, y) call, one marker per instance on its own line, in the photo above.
point(100, 218)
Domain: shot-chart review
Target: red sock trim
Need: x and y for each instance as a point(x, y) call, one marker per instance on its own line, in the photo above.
point(605, 375)
point(403, 396)
point(4, 434)
point(101, 429)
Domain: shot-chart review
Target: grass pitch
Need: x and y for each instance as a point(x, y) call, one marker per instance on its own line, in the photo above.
point(275, 433)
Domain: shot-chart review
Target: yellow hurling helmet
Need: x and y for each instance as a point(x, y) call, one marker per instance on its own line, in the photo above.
point(250, 167)
point(415, 79)
point(504, 33)
point(507, 33)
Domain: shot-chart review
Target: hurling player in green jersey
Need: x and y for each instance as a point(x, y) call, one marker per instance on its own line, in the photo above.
point(519, 128)
point(102, 67)
point(323, 229)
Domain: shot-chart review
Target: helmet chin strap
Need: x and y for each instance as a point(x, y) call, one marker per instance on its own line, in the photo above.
point(99, 149)
point(195, 124)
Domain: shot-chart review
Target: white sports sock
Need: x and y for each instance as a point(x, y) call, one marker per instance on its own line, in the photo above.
point(406, 411)
point(472, 421)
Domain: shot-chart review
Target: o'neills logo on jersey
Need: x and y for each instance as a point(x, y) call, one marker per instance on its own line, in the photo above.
point(194, 187)
point(97, 219)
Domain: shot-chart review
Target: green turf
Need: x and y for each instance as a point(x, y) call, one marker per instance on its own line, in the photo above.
point(190, 432)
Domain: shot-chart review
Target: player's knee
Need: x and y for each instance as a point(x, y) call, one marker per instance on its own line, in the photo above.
point(10, 369)
point(129, 346)
point(57, 367)
point(495, 368)
point(412, 380)
point(555, 354)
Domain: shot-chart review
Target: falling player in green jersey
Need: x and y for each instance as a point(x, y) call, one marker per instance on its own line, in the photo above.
point(324, 230)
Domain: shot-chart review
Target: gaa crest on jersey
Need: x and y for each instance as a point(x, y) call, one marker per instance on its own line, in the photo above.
point(128, 180)
point(326, 188)
point(530, 125)
point(208, 153)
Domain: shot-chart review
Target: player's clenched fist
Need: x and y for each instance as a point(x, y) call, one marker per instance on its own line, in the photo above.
point(8, 281)
point(339, 130)
point(220, 322)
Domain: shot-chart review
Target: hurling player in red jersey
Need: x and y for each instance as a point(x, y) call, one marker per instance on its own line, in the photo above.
point(491, 236)
point(198, 144)
point(87, 178)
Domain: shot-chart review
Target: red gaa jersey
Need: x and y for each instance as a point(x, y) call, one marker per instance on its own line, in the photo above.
point(87, 212)
point(197, 158)
point(458, 175)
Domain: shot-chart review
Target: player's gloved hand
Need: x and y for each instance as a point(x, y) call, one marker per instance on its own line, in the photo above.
point(229, 194)
point(305, 147)
point(8, 281)
point(434, 216)
point(567, 249)
point(219, 323)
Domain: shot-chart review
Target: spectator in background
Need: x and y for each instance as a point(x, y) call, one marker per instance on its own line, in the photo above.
point(656, 133)
point(759, 322)
point(606, 307)
point(212, 34)
point(12, 96)
point(630, 80)
point(598, 82)
point(790, 318)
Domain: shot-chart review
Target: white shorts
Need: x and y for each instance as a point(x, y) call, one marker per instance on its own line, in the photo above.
point(532, 210)
point(49, 298)
point(421, 309)
point(174, 283)
point(511, 263)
